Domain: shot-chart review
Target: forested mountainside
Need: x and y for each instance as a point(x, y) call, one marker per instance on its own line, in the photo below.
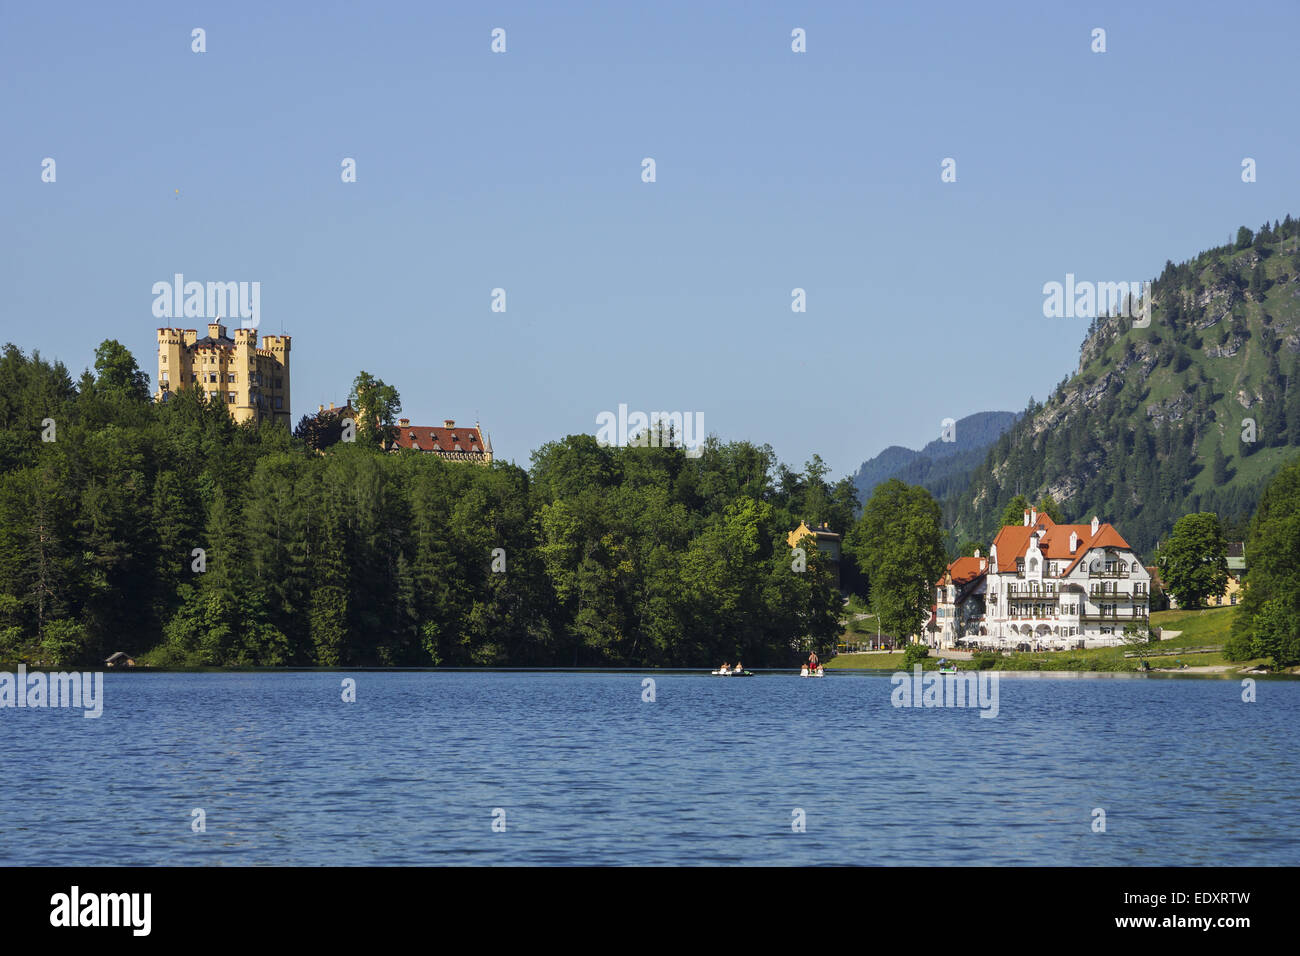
point(1193, 413)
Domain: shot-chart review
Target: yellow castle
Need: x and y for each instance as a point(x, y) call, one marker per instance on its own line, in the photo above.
point(252, 383)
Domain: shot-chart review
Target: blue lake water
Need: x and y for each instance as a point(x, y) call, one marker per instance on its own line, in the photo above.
point(711, 772)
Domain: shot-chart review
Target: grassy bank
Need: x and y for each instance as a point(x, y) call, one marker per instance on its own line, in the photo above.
point(1201, 629)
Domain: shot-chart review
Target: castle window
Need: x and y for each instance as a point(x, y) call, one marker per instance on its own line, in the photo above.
point(279, 402)
point(279, 383)
point(230, 397)
point(230, 377)
point(163, 360)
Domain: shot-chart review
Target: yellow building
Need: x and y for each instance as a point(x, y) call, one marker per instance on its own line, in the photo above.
point(828, 542)
point(1231, 593)
point(253, 383)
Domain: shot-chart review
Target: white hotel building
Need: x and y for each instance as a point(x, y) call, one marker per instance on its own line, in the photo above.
point(1049, 586)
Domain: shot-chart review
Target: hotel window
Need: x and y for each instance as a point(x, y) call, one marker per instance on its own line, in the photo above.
point(213, 395)
point(230, 397)
point(230, 377)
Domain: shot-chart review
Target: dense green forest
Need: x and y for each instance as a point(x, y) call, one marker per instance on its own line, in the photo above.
point(171, 533)
point(1194, 413)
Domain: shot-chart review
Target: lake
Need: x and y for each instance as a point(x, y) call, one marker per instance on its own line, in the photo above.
point(713, 771)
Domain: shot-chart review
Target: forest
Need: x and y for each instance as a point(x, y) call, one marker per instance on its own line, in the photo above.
point(169, 532)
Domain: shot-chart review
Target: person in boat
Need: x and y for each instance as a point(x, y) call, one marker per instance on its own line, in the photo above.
point(740, 668)
point(723, 669)
point(812, 662)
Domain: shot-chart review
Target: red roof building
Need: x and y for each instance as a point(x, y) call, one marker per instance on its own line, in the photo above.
point(449, 441)
point(1063, 585)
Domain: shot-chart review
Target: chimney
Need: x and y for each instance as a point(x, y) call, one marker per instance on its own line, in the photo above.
point(1095, 524)
point(448, 423)
point(320, 408)
point(1074, 541)
point(404, 422)
point(331, 406)
point(1033, 516)
point(216, 330)
point(983, 563)
point(977, 552)
point(1026, 517)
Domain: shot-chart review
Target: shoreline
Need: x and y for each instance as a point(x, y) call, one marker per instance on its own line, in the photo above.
point(1220, 671)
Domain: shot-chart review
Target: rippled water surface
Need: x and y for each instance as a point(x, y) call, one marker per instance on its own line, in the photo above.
point(711, 772)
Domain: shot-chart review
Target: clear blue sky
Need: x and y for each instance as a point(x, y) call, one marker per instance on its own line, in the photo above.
point(523, 171)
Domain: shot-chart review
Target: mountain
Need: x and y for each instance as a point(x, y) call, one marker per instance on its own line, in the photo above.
point(942, 467)
point(1194, 412)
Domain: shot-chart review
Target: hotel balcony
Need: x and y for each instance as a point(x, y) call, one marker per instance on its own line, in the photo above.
point(1137, 614)
point(1098, 596)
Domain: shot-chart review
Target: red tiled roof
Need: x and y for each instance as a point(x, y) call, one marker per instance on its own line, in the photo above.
point(1013, 542)
point(1106, 537)
point(964, 569)
point(426, 438)
point(1055, 544)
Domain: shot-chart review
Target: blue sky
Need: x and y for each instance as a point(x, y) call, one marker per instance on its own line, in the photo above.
point(522, 171)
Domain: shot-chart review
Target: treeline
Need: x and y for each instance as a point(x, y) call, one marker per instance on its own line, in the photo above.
point(171, 533)
point(1268, 621)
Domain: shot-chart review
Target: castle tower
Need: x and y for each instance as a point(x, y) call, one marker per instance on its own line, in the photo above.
point(252, 382)
point(174, 361)
point(278, 348)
